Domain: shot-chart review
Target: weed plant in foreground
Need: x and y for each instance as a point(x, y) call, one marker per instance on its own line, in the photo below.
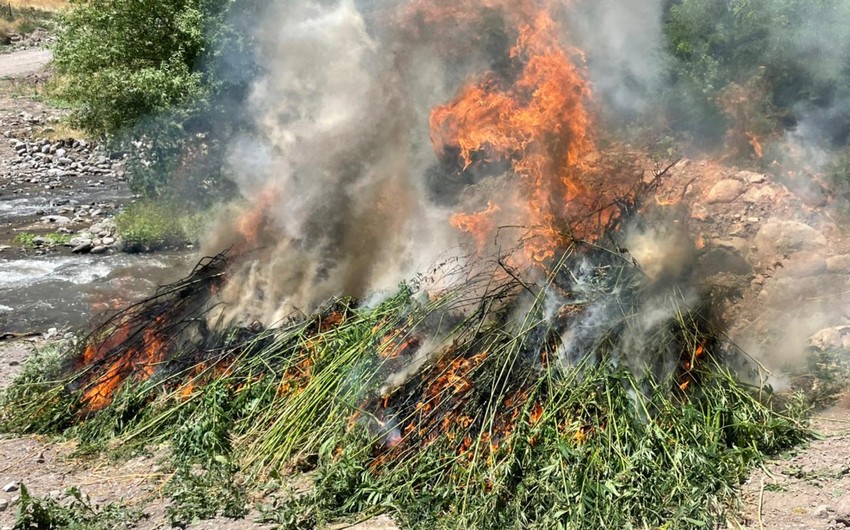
point(499, 402)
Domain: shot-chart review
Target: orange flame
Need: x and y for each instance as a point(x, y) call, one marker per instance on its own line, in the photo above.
point(142, 360)
point(537, 122)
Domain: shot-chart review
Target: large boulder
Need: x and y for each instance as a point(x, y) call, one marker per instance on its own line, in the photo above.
point(788, 236)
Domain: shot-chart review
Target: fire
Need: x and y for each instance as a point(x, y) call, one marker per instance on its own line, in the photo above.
point(138, 360)
point(252, 223)
point(480, 225)
point(536, 121)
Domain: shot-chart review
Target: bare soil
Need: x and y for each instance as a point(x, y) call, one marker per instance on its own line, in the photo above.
point(24, 62)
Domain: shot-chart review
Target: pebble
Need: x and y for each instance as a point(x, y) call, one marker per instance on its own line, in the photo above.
point(101, 249)
point(3, 504)
point(10, 487)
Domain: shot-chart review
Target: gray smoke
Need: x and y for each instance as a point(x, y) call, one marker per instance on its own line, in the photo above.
point(623, 43)
point(336, 170)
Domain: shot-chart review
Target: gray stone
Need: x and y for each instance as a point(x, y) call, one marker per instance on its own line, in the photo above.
point(751, 177)
point(10, 487)
point(45, 148)
point(83, 248)
point(788, 236)
point(725, 191)
point(805, 265)
point(821, 512)
point(835, 338)
point(60, 153)
point(99, 249)
point(3, 504)
point(56, 219)
point(759, 194)
point(842, 509)
point(108, 241)
point(838, 264)
point(737, 245)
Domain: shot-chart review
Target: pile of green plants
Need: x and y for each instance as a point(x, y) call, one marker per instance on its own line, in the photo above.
point(499, 402)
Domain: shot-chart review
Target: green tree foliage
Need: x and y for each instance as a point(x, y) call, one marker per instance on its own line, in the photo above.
point(163, 80)
point(797, 49)
point(125, 59)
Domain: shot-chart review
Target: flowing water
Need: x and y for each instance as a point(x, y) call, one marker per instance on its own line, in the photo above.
point(66, 291)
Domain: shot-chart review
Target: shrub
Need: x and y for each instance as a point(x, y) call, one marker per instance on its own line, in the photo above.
point(148, 226)
point(795, 49)
point(156, 78)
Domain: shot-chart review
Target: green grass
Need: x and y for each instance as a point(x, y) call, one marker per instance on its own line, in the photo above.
point(149, 226)
point(28, 239)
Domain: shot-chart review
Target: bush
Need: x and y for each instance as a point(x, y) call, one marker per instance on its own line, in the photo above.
point(149, 226)
point(795, 50)
point(155, 77)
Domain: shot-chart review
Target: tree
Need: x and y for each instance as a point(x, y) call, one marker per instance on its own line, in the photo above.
point(156, 78)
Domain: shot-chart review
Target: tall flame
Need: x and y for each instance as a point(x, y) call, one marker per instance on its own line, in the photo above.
point(537, 122)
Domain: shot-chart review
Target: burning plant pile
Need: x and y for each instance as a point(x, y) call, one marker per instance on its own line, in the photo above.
point(566, 372)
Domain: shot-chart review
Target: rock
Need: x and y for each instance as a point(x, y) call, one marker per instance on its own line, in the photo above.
point(56, 219)
point(751, 177)
point(725, 191)
point(842, 510)
point(737, 245)
point(788, 236)
point(101, 249)
point(837, 338)
point(805, 265)
point(45, 148)
point(60, 153)
point(699, 212)
point(821, 512)
point(108, 241)
point(838, 264)
point(10, 487)
point(760, 194)
point(83, 248)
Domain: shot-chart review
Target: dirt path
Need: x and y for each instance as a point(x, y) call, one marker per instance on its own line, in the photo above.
point(810, 488)
point(24, 62)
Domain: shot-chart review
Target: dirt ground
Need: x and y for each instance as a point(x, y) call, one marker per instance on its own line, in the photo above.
point(810, 488)
point(24, 62)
